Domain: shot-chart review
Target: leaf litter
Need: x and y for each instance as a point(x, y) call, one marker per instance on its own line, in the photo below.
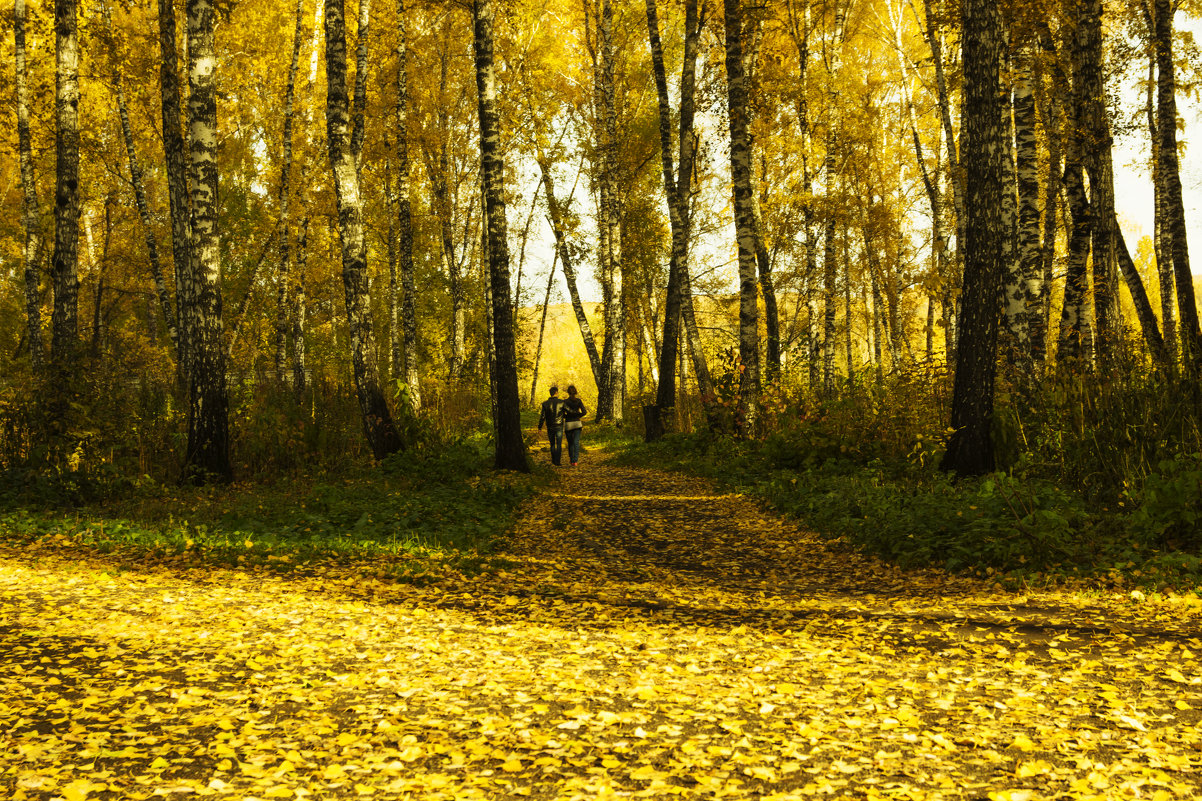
point(650, 638)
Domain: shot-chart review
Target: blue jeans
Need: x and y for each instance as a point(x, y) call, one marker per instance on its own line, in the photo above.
point(574, 445)
point(555, 435)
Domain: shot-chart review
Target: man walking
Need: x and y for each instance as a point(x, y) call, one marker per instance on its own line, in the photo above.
point(552, 413)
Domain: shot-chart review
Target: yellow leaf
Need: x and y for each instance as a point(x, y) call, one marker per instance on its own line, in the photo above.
point(333, 771)
point(280, 791)
point(1175, 675)
point(79, 789)
point(1182, 705)
point(1023, 743)
point(411, 753)
point(1036, 767)
point(158, 764)
point(512, 766)
point(363, 789)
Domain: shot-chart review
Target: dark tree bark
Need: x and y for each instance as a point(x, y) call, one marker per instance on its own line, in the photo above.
point(381, 433)
point(1076, 329)
point(65, 265)
point(740, 168)
point(284, 278)
point(208, 455)
point(1170, 176)
point(511, 449)
point(970, 449)
point(678, 189)
point(299, 367)
point(31, 213)
point(176, 155)
point(404, 217)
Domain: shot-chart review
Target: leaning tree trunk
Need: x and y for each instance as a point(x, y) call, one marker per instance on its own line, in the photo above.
point(555, 212)
point(1170, 175)
point(208, 454)
point(152, 248)
point(404, 217)
point(511, 449)
point(381, 434)
point(740, 169)
point(32, 215)
point(970, 448)
point(65, 265)
point(1139, 299)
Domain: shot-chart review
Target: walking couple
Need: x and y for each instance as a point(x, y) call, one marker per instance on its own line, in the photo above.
point(563, 417)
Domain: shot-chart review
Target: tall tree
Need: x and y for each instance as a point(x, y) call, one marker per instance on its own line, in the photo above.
point(208, 453)
point(740, 170)
point(284, 277)
point(1170, 176)
point(970, 448)
point(404, 218)
point(32, 214)
point(678, 188)
point(176, 157)
point(378, 426)
point(511, 449)
point(65, 265)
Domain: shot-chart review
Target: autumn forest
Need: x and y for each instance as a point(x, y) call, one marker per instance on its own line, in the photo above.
point(892, 464)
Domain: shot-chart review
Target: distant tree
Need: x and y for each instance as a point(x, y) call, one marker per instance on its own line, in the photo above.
point(32, 214)
point(65, 267)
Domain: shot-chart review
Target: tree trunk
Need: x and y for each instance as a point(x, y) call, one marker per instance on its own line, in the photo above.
point(1089, 93)
point(612, 396)
point(359, 100)
point(32, 215)
point(404, 215)
point(381, 434)
point(678, 189)
point(1076, 331)
point(970, 449)
point(740, 170)
point(564, 252)
point(1053, 124)
point(208, 456)
point(283, 278)
point(934, 37)
point(299, 368)
point(1160, 245)
point(542, 327)
point(439, 172)
point(65, 265)
point(1170, 176)
point(1139, 299)
point(176, 157)
point(1029, 257)
point(152, 249)
point(511, 449)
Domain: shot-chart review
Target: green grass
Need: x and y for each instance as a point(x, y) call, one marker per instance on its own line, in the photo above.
point(410, 514)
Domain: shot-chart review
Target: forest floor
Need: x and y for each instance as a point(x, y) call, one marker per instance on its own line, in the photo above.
point(648, 637)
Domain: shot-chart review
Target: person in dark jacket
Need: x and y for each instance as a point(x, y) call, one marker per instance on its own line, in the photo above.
point(552, 414)
point(574, 412)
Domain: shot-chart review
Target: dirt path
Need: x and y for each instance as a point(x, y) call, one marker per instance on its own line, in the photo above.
point(653, 638)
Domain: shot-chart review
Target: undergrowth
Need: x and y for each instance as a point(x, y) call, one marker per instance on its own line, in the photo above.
point(416, 512)
point(1097, 480)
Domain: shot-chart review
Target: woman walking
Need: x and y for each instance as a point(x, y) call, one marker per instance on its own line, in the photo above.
point(573, 426)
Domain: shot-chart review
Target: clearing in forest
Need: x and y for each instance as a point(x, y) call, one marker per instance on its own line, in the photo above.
point(650, 638)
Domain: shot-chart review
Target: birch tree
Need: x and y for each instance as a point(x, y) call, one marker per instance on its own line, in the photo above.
point(404, 219)
point(65, 265)
point(32, 215)
point(208, 454)
point(511, 449)
point(378, 426)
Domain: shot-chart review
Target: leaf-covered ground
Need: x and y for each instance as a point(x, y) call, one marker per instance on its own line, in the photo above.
point(651, 639)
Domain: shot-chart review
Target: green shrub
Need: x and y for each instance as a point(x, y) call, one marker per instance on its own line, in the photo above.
point(1169, 508)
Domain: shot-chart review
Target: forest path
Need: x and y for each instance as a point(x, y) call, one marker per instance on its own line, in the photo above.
point(651, 638)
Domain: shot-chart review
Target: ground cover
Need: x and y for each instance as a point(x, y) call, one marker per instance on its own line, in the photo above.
point(645, 635)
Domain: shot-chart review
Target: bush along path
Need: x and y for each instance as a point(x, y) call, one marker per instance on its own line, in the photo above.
point(647, 638)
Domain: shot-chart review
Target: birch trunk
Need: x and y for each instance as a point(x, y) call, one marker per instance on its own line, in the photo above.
point(176, 156)
point(1053, 124)
point(740, 169)
point(1164, 259)
point(542, 327)
point(1076, 331)
point(1170, 176)
point(31, 213)
point(208, 455)
point(65, 264)
point(283, 278)
point(511, 449)
point(404, 215)
point(1026, 158)
point(934, 37)
point(1139, 299)
point(970, 449)
point(381, 434)
point(612, 400)
point(299, 367)
point(678, 189)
